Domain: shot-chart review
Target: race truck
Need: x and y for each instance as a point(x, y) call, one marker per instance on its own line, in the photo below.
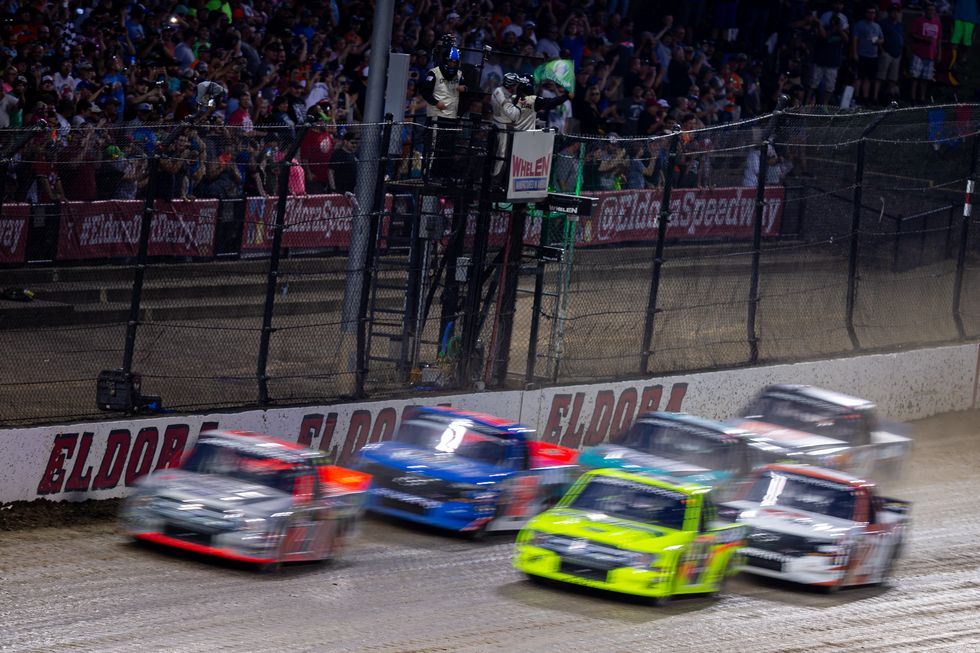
point(634, 533)
point(866, 446)
point(819, 527)
point(697, 450)
point(465, 472)
point(249, 497)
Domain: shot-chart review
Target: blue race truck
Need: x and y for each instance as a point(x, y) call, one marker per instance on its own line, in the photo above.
point(465, 471)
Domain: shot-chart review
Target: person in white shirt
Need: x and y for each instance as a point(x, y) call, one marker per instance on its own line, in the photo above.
point(63, 80)
point(548, 44)
point(836, 8)
point(9, 104)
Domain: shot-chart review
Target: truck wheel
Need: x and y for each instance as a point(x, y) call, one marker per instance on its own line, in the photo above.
point(889, 569)
point(722, 580)
point(659, 601)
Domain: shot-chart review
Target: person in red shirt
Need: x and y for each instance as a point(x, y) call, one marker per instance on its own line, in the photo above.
point(317, 147)
point(241, 117)
point(927, 36)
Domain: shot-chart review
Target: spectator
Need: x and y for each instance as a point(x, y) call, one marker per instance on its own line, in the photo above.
point(574, 30)
point(64, 82)
point(221, 178)
point(775, 172)
point(242, 117)
point(613, 164)
point(631, 108)
point(642, 165)
point(652, 121)
point(10, 106)
point(865, 44)
point(828, 56)
point(926, 37)
point(548, 44)
point(343, 165)
point(836, 9)
point(965, 19)
point(318, 147)
point(890, 59)
point(586, 110)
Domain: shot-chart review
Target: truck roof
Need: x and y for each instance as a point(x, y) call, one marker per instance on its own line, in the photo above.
point(650, 478)
point(502, 427)
point(821, 473)
point(722, 431)
point(829, 396)
point(261, 444)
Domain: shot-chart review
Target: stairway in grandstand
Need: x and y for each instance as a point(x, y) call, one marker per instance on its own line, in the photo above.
point(67, 296)
point(90, 295)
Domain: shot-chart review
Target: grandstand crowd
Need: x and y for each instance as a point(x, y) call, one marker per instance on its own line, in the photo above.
point(103, 75)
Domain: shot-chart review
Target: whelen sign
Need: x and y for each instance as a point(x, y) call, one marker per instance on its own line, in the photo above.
point(530, 165)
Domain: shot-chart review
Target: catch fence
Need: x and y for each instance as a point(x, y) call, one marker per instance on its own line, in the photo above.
point(793, 236)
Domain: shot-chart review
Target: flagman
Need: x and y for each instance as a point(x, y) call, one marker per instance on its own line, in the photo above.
point(515, 108)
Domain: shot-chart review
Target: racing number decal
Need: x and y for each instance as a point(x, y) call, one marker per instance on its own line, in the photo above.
point(451, 438)
point(523, 492)
point(696, 560)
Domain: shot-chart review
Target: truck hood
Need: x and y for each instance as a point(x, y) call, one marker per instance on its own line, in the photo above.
point(443, 466)
point(604, 529)
point(619, 457)
point(787, 438)
point(791, 521)
point(188, 492)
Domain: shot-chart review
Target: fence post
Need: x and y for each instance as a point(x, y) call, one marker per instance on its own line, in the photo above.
point(508, 301)
point(374, 227)
point(532, 343)
point(852, 261)
point(149, 199)
point(658, 257)
point(965, 237)
point(760, 202)
point(278, 220)
point(760, 205)
point(473, 300)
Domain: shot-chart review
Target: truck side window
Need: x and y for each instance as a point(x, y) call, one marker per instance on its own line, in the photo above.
point(523, 456)
point(707, 514)
point(873, 506)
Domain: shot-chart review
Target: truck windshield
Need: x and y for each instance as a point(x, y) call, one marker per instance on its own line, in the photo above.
point(811, 416)
point(627, 499)
point(453, 438)
point(803, 493)
point(221, 460)
point(682, 442)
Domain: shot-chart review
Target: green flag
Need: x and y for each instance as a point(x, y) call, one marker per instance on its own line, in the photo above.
point(559, 71)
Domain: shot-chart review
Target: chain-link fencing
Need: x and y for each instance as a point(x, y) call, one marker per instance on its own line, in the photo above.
point(798, 235)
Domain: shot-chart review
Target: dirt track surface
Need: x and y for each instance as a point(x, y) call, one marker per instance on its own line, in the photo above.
point(86, 588)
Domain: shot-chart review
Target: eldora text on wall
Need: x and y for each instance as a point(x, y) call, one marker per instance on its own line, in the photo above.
point(105, 460)
point(588, 417)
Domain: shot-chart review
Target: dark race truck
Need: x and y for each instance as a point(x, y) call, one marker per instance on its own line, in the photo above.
point(866, 445)
point(697, 450)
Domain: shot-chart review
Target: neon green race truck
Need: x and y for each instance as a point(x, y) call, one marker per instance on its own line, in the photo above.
point(635, 533)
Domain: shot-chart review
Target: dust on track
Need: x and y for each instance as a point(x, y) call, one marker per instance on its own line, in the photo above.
point(403, 589)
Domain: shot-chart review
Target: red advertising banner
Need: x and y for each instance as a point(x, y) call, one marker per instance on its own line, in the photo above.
point(110, 229)
point(312, 221)
point(13, 232)
point(184, 228)
point(695, 214)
